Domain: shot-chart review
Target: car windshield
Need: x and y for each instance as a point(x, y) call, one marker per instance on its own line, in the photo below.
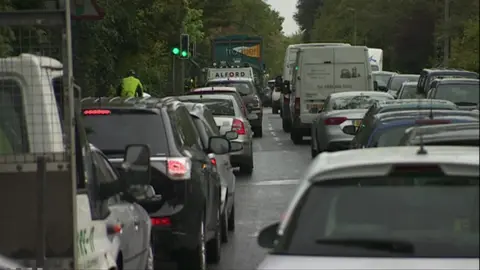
point(408, 92)
point(113, 132)
point(382, 79)
point(397, 81)
point(427, 214)
point(458, 93)
point(356, 102)
point(244, 88)
point(217, 106)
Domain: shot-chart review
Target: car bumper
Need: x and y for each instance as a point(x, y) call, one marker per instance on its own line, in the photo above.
point(243, 156)
point(338, 145)
point(334, 139)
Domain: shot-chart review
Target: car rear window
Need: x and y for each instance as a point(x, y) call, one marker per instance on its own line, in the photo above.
point(244, 88)
point(427, 214)
point(216, 106)
point(112, 130)
point(409, 92)
point(397, 81)
point(459, 93)
point(356, 102)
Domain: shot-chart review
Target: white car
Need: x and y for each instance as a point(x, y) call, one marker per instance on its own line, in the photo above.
point(371, 209)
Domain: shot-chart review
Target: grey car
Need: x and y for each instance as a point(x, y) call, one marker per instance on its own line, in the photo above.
point(131, 219)
point(408, 90)
point(341, 110)
point(229, 117)
point(395, 82)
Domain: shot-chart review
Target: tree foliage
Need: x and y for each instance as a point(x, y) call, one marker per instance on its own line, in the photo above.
point(411, 32)
point(139, 35)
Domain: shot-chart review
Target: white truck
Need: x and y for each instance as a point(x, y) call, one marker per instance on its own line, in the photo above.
point(41, 216)
point(375, 56)
point(322, 71)
point(230, 72)
point(288, 67)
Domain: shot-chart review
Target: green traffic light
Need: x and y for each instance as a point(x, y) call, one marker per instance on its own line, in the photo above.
point(184, 54)
point(176, 51)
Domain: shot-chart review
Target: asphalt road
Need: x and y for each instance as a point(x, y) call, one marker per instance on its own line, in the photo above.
point(261, 199)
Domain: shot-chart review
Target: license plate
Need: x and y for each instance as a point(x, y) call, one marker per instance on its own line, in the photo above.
point(252, 116)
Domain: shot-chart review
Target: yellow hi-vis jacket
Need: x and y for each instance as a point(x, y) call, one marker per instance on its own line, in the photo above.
point(131, 87)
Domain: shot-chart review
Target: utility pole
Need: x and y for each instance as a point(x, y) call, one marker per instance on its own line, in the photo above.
point(182, 65)
point(446, 37)
point(354, 11)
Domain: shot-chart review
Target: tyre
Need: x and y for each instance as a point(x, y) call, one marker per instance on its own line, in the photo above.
point(214, 246)
point(195, 259)
point(149, 264)
point(224, 227)
point(287, 127)
point(231, 219)
point(246, 169)
point(296, 136)
point(313, 152)
point(258, 132)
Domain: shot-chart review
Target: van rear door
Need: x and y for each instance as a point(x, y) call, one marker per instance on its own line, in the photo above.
point(316, 77)
point(352, 69)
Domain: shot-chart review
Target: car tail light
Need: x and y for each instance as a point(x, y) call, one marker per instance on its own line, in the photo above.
point(179, 168)
point(97, 112)
point(161, 221)
point(297, 105)
point(114, 228)
point(432, 122)
point(213, 161)
point(333, 121)
point(238, 126)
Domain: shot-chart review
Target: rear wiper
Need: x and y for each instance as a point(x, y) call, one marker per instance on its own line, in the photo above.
point(397, 246)
point(466, 103)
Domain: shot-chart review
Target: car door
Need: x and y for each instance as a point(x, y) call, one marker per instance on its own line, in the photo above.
point(121, 214)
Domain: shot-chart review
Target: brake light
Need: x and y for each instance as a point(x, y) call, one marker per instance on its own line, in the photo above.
point(161, 221)
point(213, 161)
point(179, 168)
point(97, 112)
point(297, 105)
point(114, 228)
point(432, 122)
point(238, 126)
point(333, 121)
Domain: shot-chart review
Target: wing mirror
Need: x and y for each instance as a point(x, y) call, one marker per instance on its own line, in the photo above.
point(231, 135)
point(219, 145)
point(136, 168)
point(268, 236)
point(350, 130)
point(236, 146)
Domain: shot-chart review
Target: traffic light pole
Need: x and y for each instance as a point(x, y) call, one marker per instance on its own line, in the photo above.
point(182, 67)
point(174, 77)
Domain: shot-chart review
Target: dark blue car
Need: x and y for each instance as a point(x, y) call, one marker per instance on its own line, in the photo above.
point(391, 132)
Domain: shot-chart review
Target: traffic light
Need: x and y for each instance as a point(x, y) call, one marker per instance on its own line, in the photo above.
point(176, 51)
point(184, 45)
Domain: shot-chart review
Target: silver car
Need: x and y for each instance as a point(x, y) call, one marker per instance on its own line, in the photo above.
point(408, 90)
point(341, 110)
point(381, 208)
point(228, 116)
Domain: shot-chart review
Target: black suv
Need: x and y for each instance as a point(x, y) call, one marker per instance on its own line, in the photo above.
point(185, 208)
point(461, 91)
point(427, 75)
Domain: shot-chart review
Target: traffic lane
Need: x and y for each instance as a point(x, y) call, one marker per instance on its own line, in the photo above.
point(261, 199)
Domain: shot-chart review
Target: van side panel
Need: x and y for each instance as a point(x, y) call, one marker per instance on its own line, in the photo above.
point(352, 70)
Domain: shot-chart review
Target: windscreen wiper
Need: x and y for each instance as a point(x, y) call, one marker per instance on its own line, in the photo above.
point(389, 245)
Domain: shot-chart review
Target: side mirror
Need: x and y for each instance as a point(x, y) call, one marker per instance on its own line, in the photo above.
point(219, 145)
point(268, 236)
point(236, 146)
point(231, 135)
point(136, 165)
point(350, 130)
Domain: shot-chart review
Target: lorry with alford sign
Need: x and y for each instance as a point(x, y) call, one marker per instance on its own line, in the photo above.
point(230, 72)
point(319, 72)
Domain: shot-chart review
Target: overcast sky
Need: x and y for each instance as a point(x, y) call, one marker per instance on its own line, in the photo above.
point(286, 9)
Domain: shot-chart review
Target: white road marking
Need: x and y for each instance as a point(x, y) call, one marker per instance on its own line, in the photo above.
point(284, 182)
point(273, 134)
point(270, 128)
point(276, 139)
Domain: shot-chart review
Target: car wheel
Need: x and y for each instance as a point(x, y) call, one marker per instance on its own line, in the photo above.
point(231, 219)
point(296, 136)
point(195, 259)
point(224, 231)
point(149, 265)
point(286, 126)
point(214, 246)
point(258, 132)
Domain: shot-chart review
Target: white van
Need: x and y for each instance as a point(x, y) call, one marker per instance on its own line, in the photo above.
point(375, 56)
point(320, 72)
point(31, 127)
point(288, 65)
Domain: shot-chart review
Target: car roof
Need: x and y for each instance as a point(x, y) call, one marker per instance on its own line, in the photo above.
point(405, 75)
point(146, 103)
point(442, 128)
point(434, 71)
point(383, 72)
point(458, 81)
point(407, 102)
point(360, 93)
point(421, 113)
point(215, 88)
point(200, 96)
point(378, 161)
point(445, 136)
point(411, 120)
point(235, 79)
